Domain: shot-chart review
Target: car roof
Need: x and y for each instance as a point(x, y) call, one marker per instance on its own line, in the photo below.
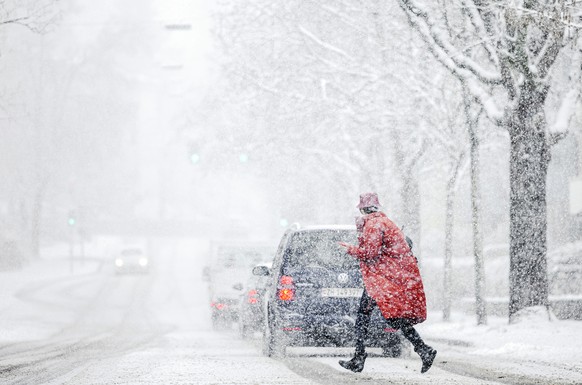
point(326, 227)
point(132, 249)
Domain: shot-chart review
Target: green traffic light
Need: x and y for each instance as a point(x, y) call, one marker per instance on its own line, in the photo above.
point(243, 158)
point(194, 158)
point(72, 221)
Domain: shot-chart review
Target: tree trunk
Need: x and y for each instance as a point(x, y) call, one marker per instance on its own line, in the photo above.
point(529, 158)
point(448, 266)
point(411, 208)
point(36, 217)
point(449, 230)
point(480, 304)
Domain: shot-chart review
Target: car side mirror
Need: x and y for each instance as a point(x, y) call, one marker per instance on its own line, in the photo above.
point(237, 286)
point(261, 271)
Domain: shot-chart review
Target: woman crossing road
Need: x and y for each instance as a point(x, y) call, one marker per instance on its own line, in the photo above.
point(392, 282)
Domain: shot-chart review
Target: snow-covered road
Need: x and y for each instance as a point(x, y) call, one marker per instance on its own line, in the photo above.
point(93, 327)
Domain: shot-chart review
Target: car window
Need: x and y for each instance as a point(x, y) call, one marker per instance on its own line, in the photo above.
point(320, 248)
point(131, 252)
point(238, 257)
point(257, 282)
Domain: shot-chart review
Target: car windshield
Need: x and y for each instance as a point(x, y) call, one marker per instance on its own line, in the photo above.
point(320, 248)
point(239, 257)
point(131, 252)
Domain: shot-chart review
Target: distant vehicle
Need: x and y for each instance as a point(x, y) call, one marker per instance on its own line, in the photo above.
point(565, 270)
point(230, 266)
point(314, 293)
point(132, 260)
point(565, 277)
point(251, 301)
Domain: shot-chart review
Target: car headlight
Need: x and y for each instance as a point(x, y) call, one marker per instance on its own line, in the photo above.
point(119, 262)
point(143, 262)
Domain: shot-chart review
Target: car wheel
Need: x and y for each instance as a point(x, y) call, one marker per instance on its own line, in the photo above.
point(244, 330)
point(273, 343)
point(218, 321)
point(215, 321)
point(267, 339)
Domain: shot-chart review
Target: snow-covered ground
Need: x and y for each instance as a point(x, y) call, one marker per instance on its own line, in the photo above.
point(63, 323)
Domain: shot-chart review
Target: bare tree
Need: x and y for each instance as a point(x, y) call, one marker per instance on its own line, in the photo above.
point(513, 50)
point(450, 152)
point(340, 81)
point(70, 134)
point(36, 15)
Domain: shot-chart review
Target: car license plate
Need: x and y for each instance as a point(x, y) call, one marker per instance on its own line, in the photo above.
point(341, 292)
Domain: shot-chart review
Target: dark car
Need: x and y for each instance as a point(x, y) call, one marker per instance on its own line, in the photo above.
point(314, 293)
point(251, 301)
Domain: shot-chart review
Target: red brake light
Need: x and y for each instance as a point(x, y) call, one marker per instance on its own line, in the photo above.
point(286, 294)
point(286, 280)
point(252, 296)
point(286, 290)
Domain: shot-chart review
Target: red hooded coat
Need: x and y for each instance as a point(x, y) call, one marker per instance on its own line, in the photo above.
point(389, 269)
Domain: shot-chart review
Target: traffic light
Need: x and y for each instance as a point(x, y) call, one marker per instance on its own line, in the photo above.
point(194, 154)
point(194, 158)
point(72, 218)
point(243, 158)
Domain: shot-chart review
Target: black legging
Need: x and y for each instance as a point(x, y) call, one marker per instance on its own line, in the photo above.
point(367, 305)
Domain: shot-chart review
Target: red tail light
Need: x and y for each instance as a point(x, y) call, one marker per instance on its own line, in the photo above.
point(286, 288)
point(252, 296)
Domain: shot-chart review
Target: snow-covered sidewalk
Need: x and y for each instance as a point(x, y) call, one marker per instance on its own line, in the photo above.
point(534, 337)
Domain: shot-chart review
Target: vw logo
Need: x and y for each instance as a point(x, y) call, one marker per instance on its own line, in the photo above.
point(342, 278)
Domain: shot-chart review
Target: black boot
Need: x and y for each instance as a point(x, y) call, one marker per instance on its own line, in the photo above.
point(356, 364)
point(427, 355)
